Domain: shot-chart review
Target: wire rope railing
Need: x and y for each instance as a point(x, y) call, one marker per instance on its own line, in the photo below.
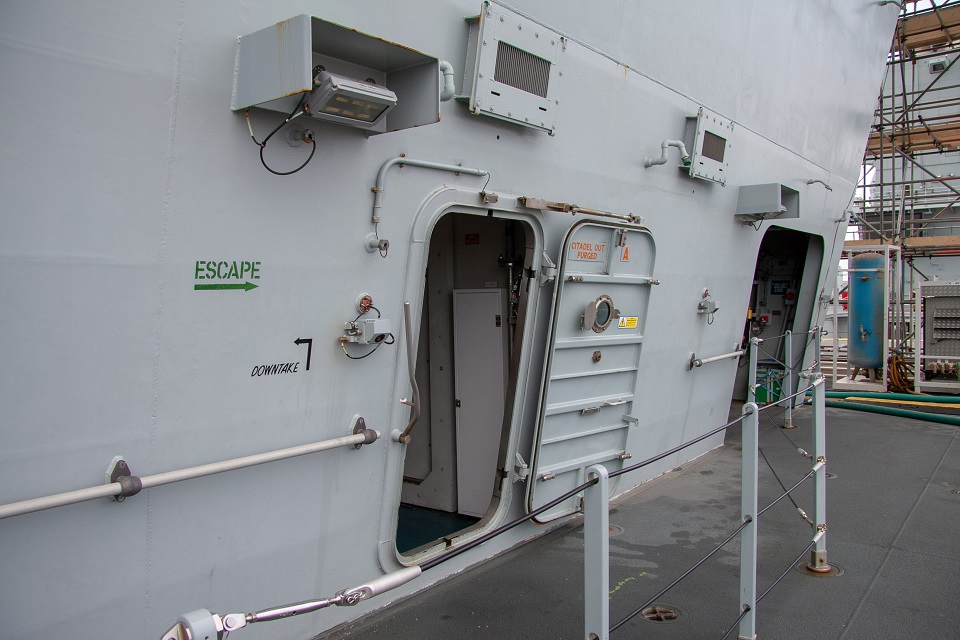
point(683, 575)
point(596, 496)
point(784, 371)
point(745, 621)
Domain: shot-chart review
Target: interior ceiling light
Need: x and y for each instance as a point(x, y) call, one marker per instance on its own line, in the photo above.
point(348, 101)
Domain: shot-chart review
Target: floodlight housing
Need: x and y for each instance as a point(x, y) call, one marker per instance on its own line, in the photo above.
point(347, 101)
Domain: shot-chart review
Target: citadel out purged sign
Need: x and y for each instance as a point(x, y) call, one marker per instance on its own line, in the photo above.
point(587, 251)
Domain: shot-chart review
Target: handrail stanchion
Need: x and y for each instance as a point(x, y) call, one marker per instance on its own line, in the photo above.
point(752, 371)
point(596, 556)
point(750, 428)
point(788, 370)
point(818, 555)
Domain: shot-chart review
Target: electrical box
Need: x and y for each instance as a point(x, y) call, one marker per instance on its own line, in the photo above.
point(707, 138)
point(513, 68)
point(767, 201)
point(373, 330)
point(938, 355)
point(278, 64)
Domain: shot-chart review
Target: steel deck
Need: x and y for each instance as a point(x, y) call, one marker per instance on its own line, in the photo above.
point(893, 513)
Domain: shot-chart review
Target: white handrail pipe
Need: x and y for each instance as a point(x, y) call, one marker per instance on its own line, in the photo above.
point(115, 488)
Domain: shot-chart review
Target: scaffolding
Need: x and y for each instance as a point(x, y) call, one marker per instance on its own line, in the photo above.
point(909, 191)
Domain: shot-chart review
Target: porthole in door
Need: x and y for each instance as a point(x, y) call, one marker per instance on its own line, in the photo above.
point(599, 314)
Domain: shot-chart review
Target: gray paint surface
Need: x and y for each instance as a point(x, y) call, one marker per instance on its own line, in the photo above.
point(138, 170)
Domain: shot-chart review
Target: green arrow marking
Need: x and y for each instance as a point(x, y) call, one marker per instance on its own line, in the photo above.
point(246, 286)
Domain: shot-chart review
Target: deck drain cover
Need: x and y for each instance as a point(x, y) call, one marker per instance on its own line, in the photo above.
point(661, 613)
point(615, 530)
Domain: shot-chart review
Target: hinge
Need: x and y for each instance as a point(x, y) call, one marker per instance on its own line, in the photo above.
point(548, 270)
point(521, 468)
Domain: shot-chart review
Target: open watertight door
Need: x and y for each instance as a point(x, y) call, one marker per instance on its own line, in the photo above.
point(587, 406)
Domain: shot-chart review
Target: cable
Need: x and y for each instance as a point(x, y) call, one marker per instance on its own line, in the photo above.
point(287, 173)
point(343, 346)
point(786, 492)
point(784, 574)
point(308, 135)
point(900, 374)
point(476, 542)
point(385, 338)
point(759, 222)
point(736, 623)
point(683, 575)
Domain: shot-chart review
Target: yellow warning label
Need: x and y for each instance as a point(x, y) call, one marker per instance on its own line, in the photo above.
point(628, 322)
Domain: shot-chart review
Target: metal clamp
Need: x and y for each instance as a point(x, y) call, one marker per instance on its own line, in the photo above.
point(119, 472)
point(360, 427)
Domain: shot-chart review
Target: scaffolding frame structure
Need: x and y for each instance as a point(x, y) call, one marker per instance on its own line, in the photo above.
point(908, 196)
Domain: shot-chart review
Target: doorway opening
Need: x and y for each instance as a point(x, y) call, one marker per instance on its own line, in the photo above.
point(471, 328)
point(782, 298)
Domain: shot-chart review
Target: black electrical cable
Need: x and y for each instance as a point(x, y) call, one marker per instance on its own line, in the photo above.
point(366, 355)
point(263, 161)
point(386, 338)
point(298, 111)
point(683, 575)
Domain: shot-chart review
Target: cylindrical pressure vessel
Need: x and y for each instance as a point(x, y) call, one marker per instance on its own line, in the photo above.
point(867, 312)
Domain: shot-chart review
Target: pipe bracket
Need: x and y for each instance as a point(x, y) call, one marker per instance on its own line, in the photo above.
point(119, 472)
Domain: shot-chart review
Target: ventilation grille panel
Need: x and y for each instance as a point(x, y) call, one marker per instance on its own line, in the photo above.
point(518, 64)
point(522, 70)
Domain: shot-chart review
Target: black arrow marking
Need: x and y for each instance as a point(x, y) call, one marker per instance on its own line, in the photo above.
point(309, 343)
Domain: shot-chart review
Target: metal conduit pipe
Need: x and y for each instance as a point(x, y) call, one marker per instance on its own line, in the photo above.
point(448, 90)
point(666, 144)
point(900, 413)
point(819, 181)
point(379, 189)
point(121, 487)
point(404, 438)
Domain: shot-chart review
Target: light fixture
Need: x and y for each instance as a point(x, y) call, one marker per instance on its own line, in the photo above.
point(352, 102)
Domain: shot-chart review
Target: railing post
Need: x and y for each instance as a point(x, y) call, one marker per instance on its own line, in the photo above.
point(749, 468)
point(596, 556)
point(788, 370)
point(818, 555)
point(748, 510)
point(752, 370)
